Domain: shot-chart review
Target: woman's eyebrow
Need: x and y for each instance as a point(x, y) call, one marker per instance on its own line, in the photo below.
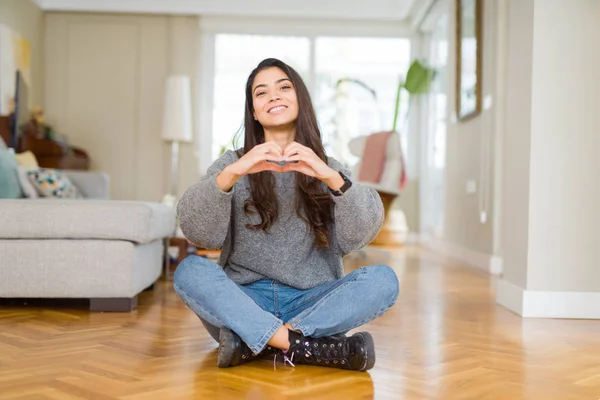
point(265, 85)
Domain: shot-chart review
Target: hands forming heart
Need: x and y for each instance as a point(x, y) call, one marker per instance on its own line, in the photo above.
point(270, 156)
point(304, 160)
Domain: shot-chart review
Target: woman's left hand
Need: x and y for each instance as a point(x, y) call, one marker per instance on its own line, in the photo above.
point(310, 164)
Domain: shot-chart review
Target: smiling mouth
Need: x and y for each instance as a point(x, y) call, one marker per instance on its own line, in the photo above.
point(275, 109)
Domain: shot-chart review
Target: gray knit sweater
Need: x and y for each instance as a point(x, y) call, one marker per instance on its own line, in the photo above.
point(214, 219)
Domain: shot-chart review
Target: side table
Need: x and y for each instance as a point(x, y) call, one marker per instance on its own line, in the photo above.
point(182, 245)
point(184, 248)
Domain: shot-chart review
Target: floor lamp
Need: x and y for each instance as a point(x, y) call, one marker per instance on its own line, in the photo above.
point(177, 125)
point(176, 128)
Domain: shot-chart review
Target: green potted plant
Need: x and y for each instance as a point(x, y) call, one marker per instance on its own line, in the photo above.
point(418, 81)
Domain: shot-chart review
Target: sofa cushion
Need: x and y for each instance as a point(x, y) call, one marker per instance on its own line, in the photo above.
point(91, 184)
point(135, 221)
point(27, 159)
point(77, 268)
point(9, 176)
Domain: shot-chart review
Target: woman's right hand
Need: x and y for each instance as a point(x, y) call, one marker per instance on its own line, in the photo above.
point(256, 160)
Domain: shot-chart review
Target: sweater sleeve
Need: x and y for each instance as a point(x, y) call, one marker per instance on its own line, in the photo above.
point(204, 210)
point(358, 214)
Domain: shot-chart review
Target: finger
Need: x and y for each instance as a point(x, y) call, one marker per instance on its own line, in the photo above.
point(263, 157)
point(261, 150)
point(290, 167)
point(295, 157)
point(266, 166)
point(297, 147)
point(300, 167)
point(292, 149)
point(303, 155)
point(270, 157)
point(290, 144)
point(273, 148)
point(269, 153)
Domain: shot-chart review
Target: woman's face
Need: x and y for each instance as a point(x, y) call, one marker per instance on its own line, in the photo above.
point(274, 98)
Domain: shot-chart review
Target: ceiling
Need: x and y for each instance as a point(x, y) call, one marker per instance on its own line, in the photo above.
point(410, 12)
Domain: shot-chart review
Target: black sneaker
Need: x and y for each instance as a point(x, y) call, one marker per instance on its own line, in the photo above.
point(356, 352)
point(233, 351)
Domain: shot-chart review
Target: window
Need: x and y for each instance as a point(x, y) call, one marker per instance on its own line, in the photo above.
point(432, 183)
point(351, 110)
point(438, 97)
point(343, 112)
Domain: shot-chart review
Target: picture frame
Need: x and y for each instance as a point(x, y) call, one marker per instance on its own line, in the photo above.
point(469, 32)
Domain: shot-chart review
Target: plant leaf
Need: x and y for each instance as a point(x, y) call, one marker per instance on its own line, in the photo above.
point(418, 78)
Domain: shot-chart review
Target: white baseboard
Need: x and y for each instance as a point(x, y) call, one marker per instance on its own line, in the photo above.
point(510, 296)
point(537, 304)
point(496, 265)
point(488, 263)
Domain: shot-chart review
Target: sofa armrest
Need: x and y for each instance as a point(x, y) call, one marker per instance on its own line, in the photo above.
point(92, 185)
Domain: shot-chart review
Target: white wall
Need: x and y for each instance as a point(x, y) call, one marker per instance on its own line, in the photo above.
point(27, 19)
point(564, 215)
point(464, 158)
point(517, 142)
point(551, 214)
point(105, 77)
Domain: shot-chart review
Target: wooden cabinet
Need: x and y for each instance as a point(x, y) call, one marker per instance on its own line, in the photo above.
point(49, 153)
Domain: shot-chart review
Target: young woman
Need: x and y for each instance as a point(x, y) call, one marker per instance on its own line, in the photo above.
point(283, 214)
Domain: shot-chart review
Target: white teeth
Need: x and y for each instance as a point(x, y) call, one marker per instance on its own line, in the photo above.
point(277, 108)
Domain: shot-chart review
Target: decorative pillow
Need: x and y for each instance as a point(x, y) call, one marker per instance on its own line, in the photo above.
point(9, 176)
point(27, 159)
point(53, 183)
point(26, 186)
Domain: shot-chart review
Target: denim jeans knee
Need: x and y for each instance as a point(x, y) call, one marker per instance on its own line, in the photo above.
point(386, 282)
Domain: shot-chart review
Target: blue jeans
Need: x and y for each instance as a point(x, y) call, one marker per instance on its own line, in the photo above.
point(257, 310)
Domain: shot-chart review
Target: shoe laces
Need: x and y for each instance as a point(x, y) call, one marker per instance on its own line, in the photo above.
point(286, 359)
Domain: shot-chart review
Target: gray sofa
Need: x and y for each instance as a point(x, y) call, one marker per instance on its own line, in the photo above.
point(104, 250)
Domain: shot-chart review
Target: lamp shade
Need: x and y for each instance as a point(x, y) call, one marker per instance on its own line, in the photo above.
point(177, 117)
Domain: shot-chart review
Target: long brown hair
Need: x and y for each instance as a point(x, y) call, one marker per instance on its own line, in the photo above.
point(313, 204)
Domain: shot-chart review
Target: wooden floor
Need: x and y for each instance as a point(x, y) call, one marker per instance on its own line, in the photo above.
point(445, 339)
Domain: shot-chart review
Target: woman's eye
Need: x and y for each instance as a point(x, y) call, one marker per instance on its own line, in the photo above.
point(285, 87)
point(260, 94)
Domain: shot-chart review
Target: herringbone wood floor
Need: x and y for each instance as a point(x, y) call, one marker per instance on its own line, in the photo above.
point(444, 339)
